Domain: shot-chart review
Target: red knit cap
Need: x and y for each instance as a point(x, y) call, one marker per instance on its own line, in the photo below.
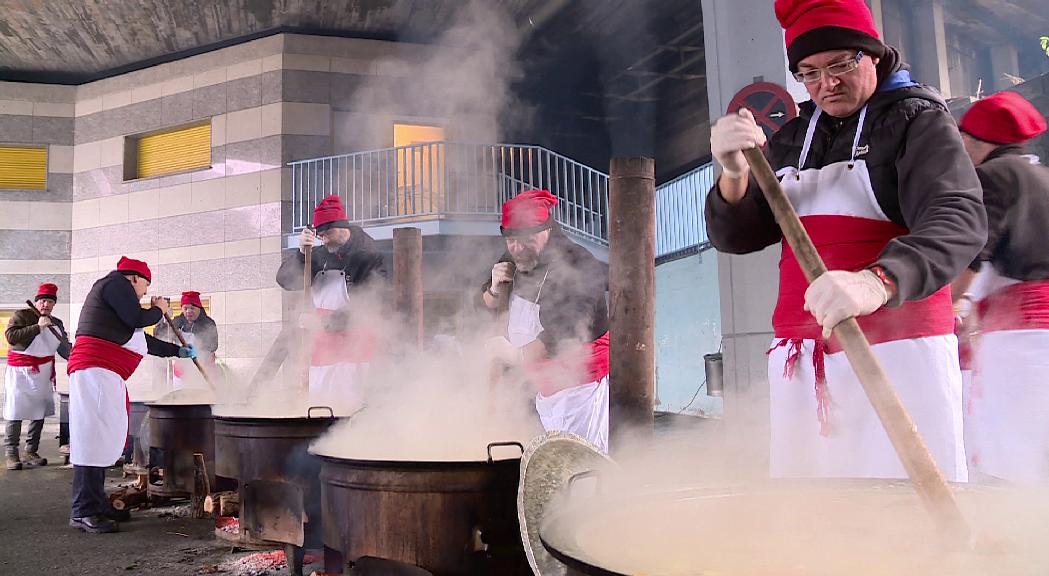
point(528, 213)
point(134, 266)
point(1003, 118)
point(330, 214)
point(47, 290)
point(192, 298)
point(814, 26)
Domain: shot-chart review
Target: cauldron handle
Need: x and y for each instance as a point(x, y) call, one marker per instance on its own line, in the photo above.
point(581, 475)
point(309, 411)
point(497, 444)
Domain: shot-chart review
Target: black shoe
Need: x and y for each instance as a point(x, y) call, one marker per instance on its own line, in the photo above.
point(118, 515)
point(97, 524)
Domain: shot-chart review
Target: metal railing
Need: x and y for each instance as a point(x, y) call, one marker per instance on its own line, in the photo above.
point(450, 179)
point(679, 211)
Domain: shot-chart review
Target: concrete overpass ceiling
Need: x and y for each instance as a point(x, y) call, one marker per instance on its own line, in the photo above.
point(75, 41)
point(998, 21)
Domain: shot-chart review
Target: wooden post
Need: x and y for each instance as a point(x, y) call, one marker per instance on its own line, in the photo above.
point(632, 295)
point(408, 281)
point(201, 486)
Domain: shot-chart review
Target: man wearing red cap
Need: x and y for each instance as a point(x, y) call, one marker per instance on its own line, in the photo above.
point(557, 317)
point(876, 169)
point(347, 265)
point(198, 329)
point(109, 345)
point(35, 336)
point(1011, 363)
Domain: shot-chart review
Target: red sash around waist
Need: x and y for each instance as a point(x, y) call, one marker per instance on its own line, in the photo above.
point(596, 367)
point(1023, 306)
point(20, 360)
point(848, 243)
point(90, 352)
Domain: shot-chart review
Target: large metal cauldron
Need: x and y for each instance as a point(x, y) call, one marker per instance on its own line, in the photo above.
point(449, 518)
point(794, 527)
point(181, 430)
point(279, 482)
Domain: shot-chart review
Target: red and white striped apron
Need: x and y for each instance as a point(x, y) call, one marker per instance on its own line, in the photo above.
point(30, 379)
point(340, 360)
point(1010, 398)
point(581, 409)
point(822, 423)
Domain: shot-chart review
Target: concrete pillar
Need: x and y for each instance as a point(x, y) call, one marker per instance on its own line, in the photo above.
point(928, 40)
point(744, 43)
point(632, 297)
point(876, 12)
point(408, 282)
point(1004, 60)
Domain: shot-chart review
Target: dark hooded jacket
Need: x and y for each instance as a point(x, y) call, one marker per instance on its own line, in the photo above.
point(1016, 194)
point(205, 332)
point(111, 312)
point(921, 176)
point(572, 303)
point(358, 259)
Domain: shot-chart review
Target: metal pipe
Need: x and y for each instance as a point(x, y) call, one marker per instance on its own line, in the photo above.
point(632, 296)
point(407, 281)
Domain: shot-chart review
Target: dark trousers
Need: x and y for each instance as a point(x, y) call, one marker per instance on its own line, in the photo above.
point(89, 492)
point(13, 431)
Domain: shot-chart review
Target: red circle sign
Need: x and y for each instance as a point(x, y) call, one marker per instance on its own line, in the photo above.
point(770, 103)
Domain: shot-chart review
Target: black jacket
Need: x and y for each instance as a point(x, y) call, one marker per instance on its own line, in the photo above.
point(358, 259)
point(1016, 195)
point(22, 329)
point(204, 330)
point(572, 304)
point(921, 175)
point(111, 312)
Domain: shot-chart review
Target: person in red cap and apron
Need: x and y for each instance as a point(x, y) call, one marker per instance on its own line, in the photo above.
point(557, 320)
point(875, 167)
point(34, 336)
point(1010, 400)
point(346, 264)
point(199, 330)
point(109, 345)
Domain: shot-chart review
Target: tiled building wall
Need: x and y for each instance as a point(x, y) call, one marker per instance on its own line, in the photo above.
point(218, 231)
point(35, 224)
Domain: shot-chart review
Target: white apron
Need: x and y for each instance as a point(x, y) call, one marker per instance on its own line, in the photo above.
point(98, 416)
point(924, 371)
point(339, 386)
point(184, 374)
point(581, 410)
point(1010, 397)
point(30, 392)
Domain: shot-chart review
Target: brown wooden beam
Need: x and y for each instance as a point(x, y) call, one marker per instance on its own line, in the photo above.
point(408, 281)
point(632, 296)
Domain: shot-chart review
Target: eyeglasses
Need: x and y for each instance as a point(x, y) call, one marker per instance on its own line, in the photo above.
point(837, 69)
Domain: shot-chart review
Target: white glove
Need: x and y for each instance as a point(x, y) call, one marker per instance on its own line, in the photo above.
point(839, 294)
point(499, 348)
point(502, 275)
point(731, 135)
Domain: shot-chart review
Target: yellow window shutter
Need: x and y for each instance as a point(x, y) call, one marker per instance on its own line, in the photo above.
point(23, 167)
point(171, 151)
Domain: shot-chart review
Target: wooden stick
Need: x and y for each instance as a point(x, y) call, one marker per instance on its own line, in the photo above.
point(201, 485)
point(54, 330)
point(307, 303)
point(921, 468)
point(182, 340)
